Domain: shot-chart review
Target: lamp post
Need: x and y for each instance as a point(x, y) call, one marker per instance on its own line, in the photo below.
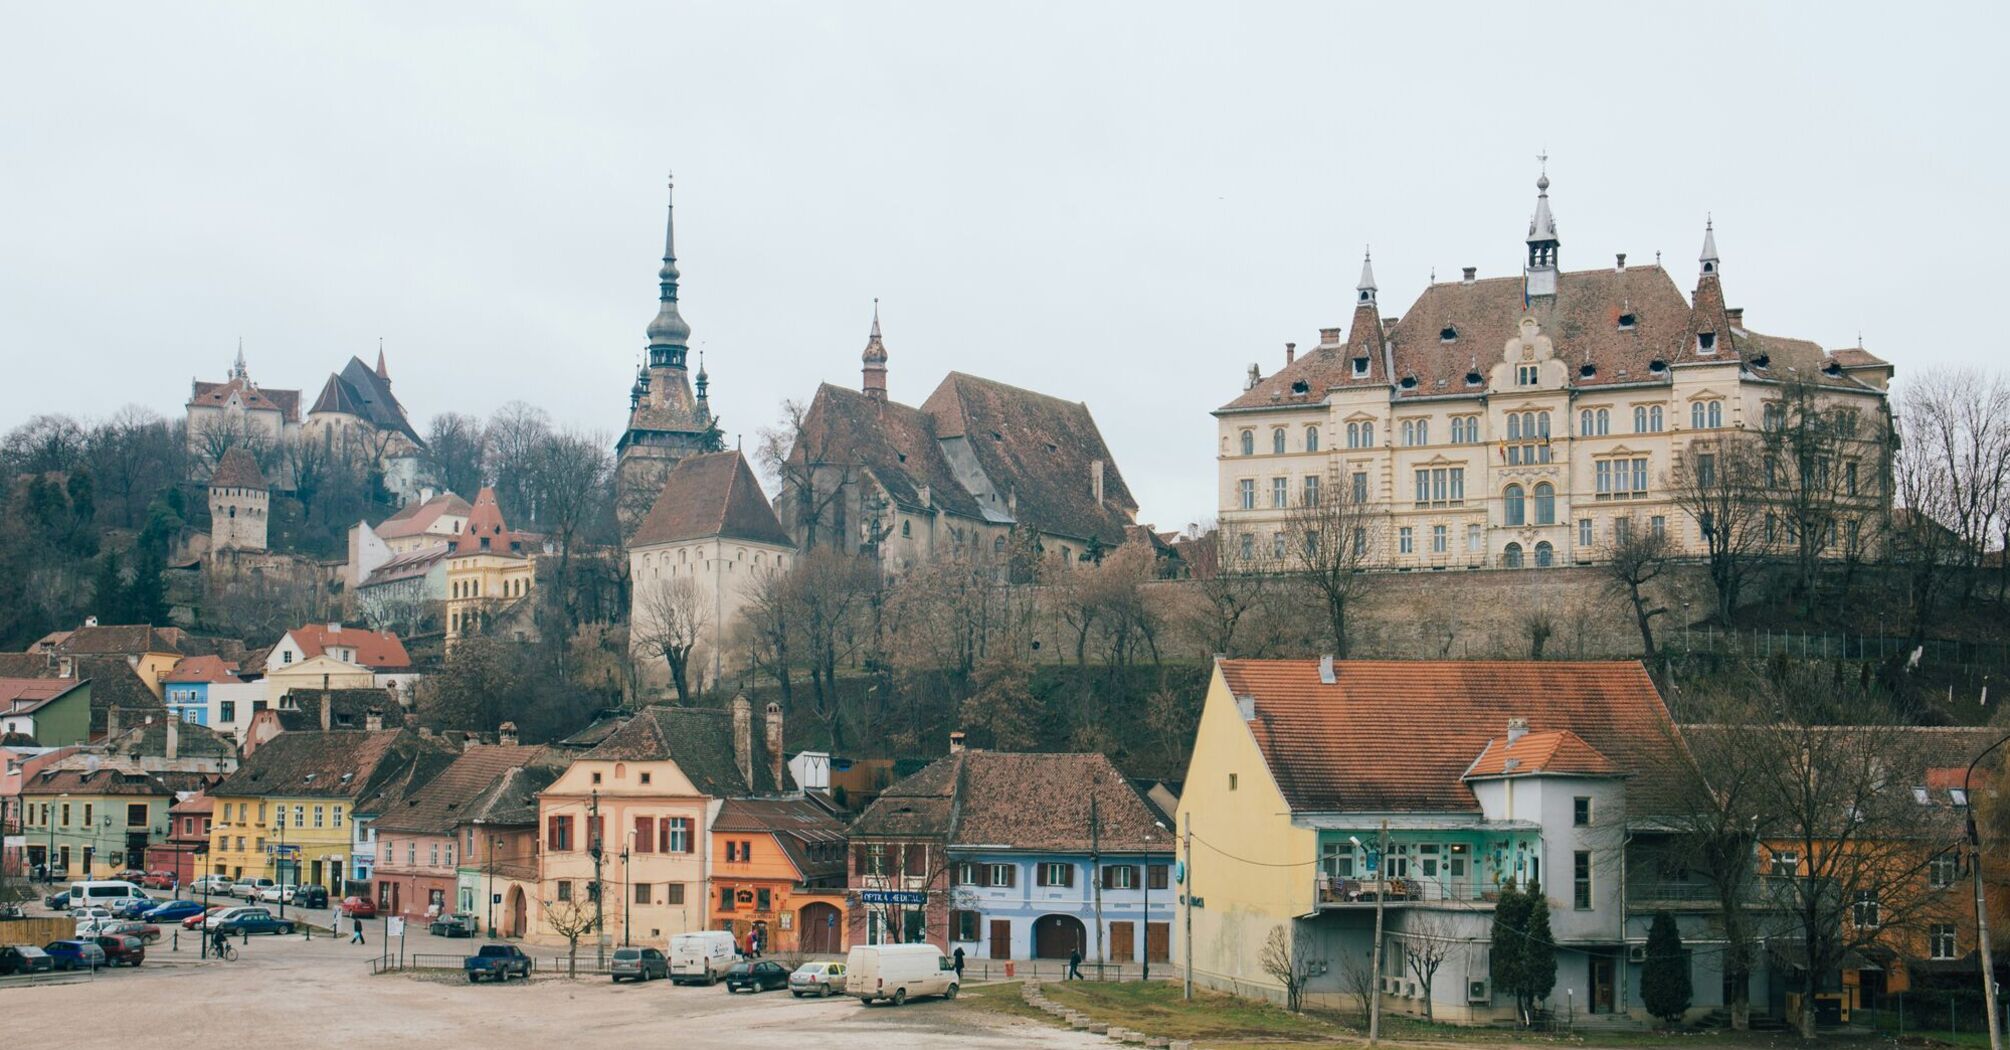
point(627, 894)
point(1981, 901)
point(493, 841)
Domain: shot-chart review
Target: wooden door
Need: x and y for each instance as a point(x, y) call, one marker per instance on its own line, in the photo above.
point(1602, 984)
point(1158, 941)
point(1122, 949)
point(1001, 938)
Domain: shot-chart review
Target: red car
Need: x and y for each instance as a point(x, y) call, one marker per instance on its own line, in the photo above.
point(194, 922)
point(358, 907)
point(122, 951)
point(158, 880)
point(132, 875)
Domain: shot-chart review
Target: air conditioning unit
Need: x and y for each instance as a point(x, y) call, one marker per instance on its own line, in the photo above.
point(1636, 953)
point(1476, 992)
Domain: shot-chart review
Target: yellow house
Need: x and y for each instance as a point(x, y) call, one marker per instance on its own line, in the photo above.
point(286, 813)
point(489, 572)
point(628, 825)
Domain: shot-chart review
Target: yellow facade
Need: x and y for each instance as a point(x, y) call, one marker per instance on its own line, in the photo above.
point(1246, 862)
point(246, 830)
point(482, 584)
point(318, 672)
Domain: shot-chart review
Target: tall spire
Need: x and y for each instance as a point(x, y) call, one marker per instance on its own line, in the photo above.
point(873, 382)
point(704, 381)
point(1709, 258)
point(382, 372)
point(1366, 288)
point(669, 336)
point(1542, 239)
point(237, 368)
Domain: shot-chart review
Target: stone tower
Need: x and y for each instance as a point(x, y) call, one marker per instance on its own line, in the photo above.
point(238, 503)
point(666, 420)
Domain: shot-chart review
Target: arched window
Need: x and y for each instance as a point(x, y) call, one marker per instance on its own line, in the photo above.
point(1277, 440)
point(997, 545)
point(233, 512)
point(1423, 431)
point(1514, 426)
point(1584, 423)
point(1604, 422)
point(1545, 555)
point(1311, 439)
point(1545, 504)
point(1409, 432)
point(906, 529)
point(1511, 557)
point(1696, 416)
point(1654, 420)
point(1542, 424)
point(1249, 442)
point(1514, 512)
point(1716, 414)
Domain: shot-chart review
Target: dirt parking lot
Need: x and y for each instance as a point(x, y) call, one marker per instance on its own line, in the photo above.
point(323, 993)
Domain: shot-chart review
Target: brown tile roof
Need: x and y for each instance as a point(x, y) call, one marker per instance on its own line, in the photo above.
point(699, 740)
point(327, 765)
point(1039, 448)
point(113, 681)
point(252, 396)
point(347, 708)
point(360, 391)
point(485, 526)
point(408, 565)
point(1397, 735)
point(377, 650)
point(149, 740)
point(1858, 357)
point(1555, 751)
point(449, 798)
point(896, 443)
point(237, 470)
point(136, 639)
point(20, 696)
point(713, 494)
point(413, 519)
point(105, 781)
point(203, 669)
point(1018, 801)
point(797, 824)
point(194, 806)
point(669, 405)
point(512, 798)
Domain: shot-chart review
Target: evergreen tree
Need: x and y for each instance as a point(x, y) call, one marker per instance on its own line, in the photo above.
point(108, 590)
point(1509, 936)
point(146, 600)
point(1664, 980)
point(1538, 960)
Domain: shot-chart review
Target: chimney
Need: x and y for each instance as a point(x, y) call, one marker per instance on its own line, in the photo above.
point(1245, 706)
point(743, 737)
point(1620, 265)
point(1517, 728)
point(1469, 274)
point(66, 667)
point(956, 742)
point(1326, 670)
point(505, 734)
point(173, 739)
point(334, 627)
point(1096, 480)
point(90, 621)
point(1329, 337)
point(1736, 314)
point(327, 710)
point(1290, 352)
point(775, 745)
point(111, 723)
point(373, 721)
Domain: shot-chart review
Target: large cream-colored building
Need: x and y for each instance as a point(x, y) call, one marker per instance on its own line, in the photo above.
point(490, 573)
point(1525, 420)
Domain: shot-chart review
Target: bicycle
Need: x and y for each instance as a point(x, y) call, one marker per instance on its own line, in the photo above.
point(225, 951)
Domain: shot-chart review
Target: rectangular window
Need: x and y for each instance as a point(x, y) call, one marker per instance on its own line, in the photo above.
point(643, 894)
point(337, 816)
point(963, 873)
point(1247, 489)
point(1941, 870)
point(1001, 876)
point(1280, 492)
point(1786, 864)
point(674, 835)
point(433, 857)
point(1423, 488)
point(1405, 543)
point(226, 710)
point(1360, 486)
point(564, 889)
point(1580, 811)
point(1277, 547)
point(1580, 879)
point(1156, 876)
point(558, 834)
point(673, 894)
point(1458, 493)
point(1475, 540)
point(1940, 940)
point(963, 925)
point(1640, 475)
point(1849, 477)
point(1120, 877)
point(1603, 472)
point(90, 808)
point(1311, 490)
point(1584, 532)
point(1622, 528)
point(1056, 874)
point(763, 899)
point(725, 898)
point(645, 834)
point(319, 816)
point(136, 814)
point(1440, 539)
point(1864, 910)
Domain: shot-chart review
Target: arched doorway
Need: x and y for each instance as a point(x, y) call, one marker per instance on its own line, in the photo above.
point(817, 928)
point(1054, 936)
point(513, 913)
point(1545, 555)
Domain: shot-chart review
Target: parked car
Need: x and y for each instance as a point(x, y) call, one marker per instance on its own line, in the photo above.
point(249, 888)
point(145, 931)
point(458, 925)
point(255, 920)
point(359, 907)
point(756, 975)
point(132, 875)
point(158, 880)
point(276, 894)
point(898, 972)
point(171, 911)
point(702, 957)
point(201, 920)
point(130, 907)
point(79, 954)
point(221, 915)
point(121, 950)
point(310, 896)
point(212, 885)
point(89, 919)
point(103, 892)
point(641, 964)
point(817, 978)
point(497, 962)
point(25, 958)
point(57, 901)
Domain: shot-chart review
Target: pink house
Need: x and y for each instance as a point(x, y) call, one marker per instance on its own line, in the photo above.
point(17, 764)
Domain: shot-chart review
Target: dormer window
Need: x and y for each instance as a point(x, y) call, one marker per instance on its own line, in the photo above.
point(1448, 334)
point(1473, 379)
point(1360, 367)
point(1762, 361)
point(1527, 375)
point(1587, 370)
point(1626, 322)
point(1657, 366)
point(1706, 342)
point(1409, 382)
point(1300, 386)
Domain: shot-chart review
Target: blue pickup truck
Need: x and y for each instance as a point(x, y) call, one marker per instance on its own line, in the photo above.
point(497, 962)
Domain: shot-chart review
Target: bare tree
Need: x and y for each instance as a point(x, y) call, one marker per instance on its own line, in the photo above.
point(805, 456)
point(512, 438)
point(1538, 623)
point(1427, 942)
point(570, 480)
point(1818, 452)
point(671, 619)
point(1284, 959)
point(572, 920)
point(455, 450)
point(1357, 975)
point(830, 594)
point(1720, 483)
point(767, 630)
point(1326, 542)
point(1957, 424)
point(1635, 560)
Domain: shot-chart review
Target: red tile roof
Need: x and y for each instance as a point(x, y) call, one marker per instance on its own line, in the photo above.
point(713, 494)
point(486, 533)
point(1018, 801)
point(203, 669)
point(253, 397)
point(20, 696)
point(413, 519)
point(237, 470)
point(377, 650)
point(1398, 735)
point(1555, 751)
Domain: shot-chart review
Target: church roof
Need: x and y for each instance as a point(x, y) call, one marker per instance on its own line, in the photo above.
point(253, 397)
point(714, 494)
point(237, 470)
point(362, 391)
point(895, 443)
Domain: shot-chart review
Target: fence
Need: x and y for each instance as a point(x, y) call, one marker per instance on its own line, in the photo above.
point(588, 964)
point(1760, 643)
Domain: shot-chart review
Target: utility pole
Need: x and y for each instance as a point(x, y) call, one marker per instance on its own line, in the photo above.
point(1186, 901)
point(1381, 898)
point(1989, 1014)
point(599, 896)
point(1096, 878)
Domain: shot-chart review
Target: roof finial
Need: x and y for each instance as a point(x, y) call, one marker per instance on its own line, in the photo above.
point(875, 317)
point(873, 369)
point(1709, 258)
point(669, 336)
point(1542, 179)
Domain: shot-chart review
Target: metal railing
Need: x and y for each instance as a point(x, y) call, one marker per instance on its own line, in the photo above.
point(1335, 891)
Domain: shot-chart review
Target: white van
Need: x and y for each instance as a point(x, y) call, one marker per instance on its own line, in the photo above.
point(703, 957)
point(102, 894)
point(898, 972)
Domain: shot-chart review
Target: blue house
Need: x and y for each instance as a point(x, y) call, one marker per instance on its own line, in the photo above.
point(186, 688)
point(1041, 855)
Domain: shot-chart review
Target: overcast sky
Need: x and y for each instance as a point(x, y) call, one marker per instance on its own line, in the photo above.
point(1120, 204)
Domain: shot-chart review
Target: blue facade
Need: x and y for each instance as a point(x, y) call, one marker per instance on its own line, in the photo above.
point(188, 701)
point(1020, 906)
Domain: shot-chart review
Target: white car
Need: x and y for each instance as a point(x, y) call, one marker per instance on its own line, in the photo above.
point(213, 885)
point(91, 920)
point(276, 894)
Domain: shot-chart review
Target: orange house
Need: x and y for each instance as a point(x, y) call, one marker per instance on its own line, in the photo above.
point(778, 875)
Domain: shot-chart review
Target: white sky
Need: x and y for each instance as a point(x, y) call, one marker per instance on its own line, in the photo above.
point(1122, 204)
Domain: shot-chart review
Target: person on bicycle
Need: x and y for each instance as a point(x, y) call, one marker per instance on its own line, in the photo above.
point(218, 941)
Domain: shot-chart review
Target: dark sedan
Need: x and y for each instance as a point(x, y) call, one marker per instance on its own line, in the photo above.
point(454, 926)
point(122, 950)
point(256, 920)
point(79, 954)
point(756, 976)
point(58, 901)
point(25, 958)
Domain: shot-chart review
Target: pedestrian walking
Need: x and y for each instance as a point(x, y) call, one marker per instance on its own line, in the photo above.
point(959, 966)
point(356, 930)
point(1074, 965)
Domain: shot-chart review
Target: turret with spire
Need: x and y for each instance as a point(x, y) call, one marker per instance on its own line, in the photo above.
point(1364, 335)
point(1366, 289)
point(1709, 258)
point(382, 372)
point(873, 382)
point(237, 370)
point(669, 335)
point(1542, 240)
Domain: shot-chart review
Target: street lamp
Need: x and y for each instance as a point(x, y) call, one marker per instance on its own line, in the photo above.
point(627, 894)
point(493, 842)
point(1981, 902)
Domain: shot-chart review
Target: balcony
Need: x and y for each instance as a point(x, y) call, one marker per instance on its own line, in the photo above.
point(1649, 895)
point(1336, 892)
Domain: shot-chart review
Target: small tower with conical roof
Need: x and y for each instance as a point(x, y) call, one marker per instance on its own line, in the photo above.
point(239, 500)
point(873, 369)
point(1542, 241)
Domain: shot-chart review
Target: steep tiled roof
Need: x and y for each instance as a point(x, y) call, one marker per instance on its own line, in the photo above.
point(136, 639)
point(449, 797)
point(358, 390)
point(1397, 735)
point(1014, 800)
point(1041, 449)
point(114, 683)
point(1557, 751)
point(105, 781)
point(252, 396)
point(203, 669)
point(378, 650)
point(486, 533)
point(413, 519)
point(408, 565)
point(699, 740)
point(20, 696)
point(796, 824)
point(896, 443)
point(347, 708)
point(713, 494)
point(194, 806)
point(237, 470)
point(512, 797)
point(330, 765)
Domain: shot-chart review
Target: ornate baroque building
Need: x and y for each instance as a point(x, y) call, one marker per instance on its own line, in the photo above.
point(1525, 420)
point(666, 419)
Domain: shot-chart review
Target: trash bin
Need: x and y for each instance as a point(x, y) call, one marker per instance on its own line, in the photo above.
point(1008, 969)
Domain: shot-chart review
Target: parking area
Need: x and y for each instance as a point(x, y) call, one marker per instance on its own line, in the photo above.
point(322, 990)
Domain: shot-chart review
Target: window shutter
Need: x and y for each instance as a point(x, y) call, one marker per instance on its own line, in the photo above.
point(858, 862)
point(1011, 877)
point(645, 834)
point(690, 835)
point(1109, 878)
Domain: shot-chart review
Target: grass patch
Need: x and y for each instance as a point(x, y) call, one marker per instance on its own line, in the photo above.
point(1001, 1000)
point(1156, 1008)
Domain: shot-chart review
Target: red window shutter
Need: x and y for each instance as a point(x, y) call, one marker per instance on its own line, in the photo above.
point(645, 834)
point(1068, 875)
point(663, 835)
point(858, 860)
point(690, 834)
